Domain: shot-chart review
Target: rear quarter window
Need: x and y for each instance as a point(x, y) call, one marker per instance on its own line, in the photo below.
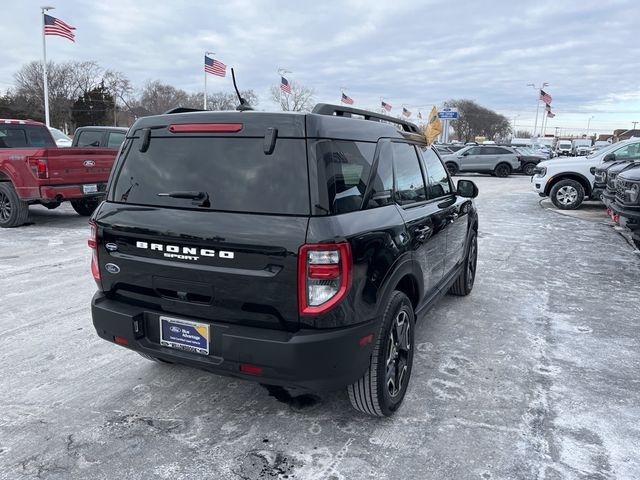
point(89, 138)
point(25, 136)
point(235, 173)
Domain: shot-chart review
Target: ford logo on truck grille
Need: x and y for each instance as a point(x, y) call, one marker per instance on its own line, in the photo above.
point(89, 163)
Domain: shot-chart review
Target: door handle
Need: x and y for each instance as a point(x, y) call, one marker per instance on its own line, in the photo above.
point(423, 233)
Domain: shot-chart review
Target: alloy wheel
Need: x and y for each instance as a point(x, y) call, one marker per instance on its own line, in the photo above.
point(5, 207)
point(567, 195)
point(472, 263)
point(398, 354)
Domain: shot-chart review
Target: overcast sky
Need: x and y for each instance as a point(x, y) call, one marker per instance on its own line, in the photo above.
point(414, 53)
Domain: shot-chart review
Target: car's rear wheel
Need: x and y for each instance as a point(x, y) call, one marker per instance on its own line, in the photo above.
point(452, 167)
point(567, 194)
point(85, 206)
point(502, 170)
point(464, 283)
point(13, 211)
point(528, 168)
point(382, 388)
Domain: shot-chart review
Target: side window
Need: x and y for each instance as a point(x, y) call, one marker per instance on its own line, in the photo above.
point(382, 182)
point(115, 139)
point(409, 181)
point(437, 179)
point(39, 137)
point(474, 151)
point(488, 151)
point(629, 152)
point(89, 138)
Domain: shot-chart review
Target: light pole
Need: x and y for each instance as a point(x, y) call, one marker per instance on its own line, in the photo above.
point(544, 84)
point(589, 123)
point(514, 124)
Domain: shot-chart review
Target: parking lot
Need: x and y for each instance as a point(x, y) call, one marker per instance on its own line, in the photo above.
point(532, 376)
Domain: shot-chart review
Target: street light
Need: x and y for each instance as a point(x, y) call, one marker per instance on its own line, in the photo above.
point(589, 123)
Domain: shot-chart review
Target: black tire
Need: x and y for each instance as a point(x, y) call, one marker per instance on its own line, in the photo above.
point(13, 211)
point(502, 170)
point(85, 206)
point(452, 167)
point(567, 194)
point(381, 390)
point(154, 359)
point(464, 283)
point(528, 169)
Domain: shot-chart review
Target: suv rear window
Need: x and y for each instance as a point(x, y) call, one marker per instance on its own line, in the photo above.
point(235, 173)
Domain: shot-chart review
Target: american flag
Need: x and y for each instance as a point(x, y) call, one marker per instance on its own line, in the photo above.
point(386, 106)
point(550, 114)
point(346, 99)
point(420, 115)
point(284, 85)
point(215, 67)
point(55, 26)
point(547, 107)
point(406, 112)
point(545, 97)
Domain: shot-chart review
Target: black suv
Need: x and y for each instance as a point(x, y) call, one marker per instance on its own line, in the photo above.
point(292, 249)
point(610, 176)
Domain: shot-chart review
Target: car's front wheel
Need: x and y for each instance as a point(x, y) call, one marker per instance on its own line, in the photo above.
point(567, 194)
point(502, 170)
point(382, 388)
point(528, 169)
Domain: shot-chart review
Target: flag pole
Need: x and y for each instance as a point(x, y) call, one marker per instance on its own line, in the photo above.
point(205, 79)
point(44, 68)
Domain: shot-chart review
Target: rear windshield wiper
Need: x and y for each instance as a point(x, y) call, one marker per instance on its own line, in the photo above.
point(200, 199)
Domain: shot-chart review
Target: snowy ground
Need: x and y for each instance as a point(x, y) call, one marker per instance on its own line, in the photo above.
point(533, 376)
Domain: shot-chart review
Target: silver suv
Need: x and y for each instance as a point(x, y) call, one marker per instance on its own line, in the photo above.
point(494, 159)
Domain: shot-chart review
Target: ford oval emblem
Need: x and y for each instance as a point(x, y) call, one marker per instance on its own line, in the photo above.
point(89, 163)
point(112, 268)
point(175, 329)
point(112, 247)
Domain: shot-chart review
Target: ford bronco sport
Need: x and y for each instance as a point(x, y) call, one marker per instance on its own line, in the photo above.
point(292, 249)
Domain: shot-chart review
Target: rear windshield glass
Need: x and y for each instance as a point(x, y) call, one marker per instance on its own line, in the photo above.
point(235, 174)
point(25, 136)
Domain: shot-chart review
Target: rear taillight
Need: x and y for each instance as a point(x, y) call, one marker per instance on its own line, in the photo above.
point(40, 167)
point(93, 245)
point(324, 276)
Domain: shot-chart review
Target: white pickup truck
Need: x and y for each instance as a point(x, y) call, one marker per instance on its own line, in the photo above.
point(568, 182)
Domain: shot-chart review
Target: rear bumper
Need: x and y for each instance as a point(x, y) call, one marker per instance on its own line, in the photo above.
point(309, 359)
point(70, 192)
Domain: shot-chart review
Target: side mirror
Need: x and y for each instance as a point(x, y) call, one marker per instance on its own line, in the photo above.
point(464, 154)
point(467, 189)
point(609, 157)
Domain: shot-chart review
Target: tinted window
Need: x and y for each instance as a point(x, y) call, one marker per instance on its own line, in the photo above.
point(24, 136)
point(501, 151)
point(409, 182)
point(115, 139)
point(382, 184)
point(343, 172)
point(234, 172)
point(437, 179)
point(474, 151)
point(89, 138)
point(629, 152)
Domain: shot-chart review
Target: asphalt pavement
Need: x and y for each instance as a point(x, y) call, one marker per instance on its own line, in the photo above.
point(532, 376)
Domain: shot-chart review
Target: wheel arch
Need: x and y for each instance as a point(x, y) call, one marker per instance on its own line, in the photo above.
point(581, 179)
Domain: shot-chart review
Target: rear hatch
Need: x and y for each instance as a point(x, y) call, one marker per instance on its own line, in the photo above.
point(74, 166)
point(229, 253)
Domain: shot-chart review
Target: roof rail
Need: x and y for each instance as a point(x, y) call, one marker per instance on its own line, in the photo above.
point(340, 111)
point(182, 110)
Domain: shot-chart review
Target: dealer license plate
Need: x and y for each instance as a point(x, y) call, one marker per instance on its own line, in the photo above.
point(184, 335)
point(92, 188)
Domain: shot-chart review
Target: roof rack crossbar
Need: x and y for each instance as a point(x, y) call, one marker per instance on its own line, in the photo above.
point(340, 111)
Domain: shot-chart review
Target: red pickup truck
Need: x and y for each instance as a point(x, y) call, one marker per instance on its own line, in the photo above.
point(33, 170)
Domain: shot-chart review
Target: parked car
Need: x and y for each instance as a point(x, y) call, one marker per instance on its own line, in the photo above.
point(626, 207)
point(61, 139)
point(99, 137)
point(582, 150)
point(568, 182)
point(609, 193)
point(528, 160)
point(497, 160)
point(576, 145)
point(234, 256)
point(33, 170)
point(564, 147)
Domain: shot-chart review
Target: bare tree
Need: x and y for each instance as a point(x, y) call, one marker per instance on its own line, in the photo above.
point(300, 100)
point(158, 97)
point(119, 86)
point(523, 134)
point(476, 120)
